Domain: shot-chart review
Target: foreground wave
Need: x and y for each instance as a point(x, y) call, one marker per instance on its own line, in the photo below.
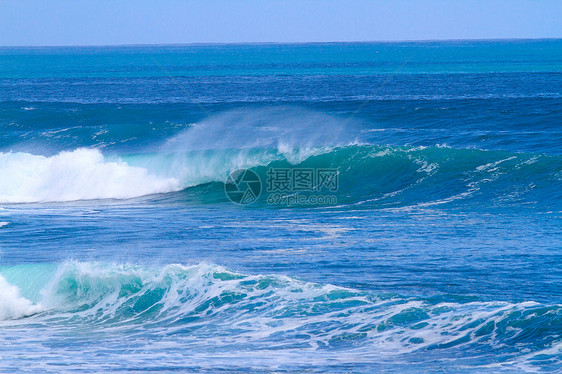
point(218, 308)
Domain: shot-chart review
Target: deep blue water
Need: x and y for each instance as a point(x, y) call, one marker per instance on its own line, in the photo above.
point(437, 247)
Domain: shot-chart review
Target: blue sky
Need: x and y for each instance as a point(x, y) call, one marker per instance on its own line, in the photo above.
point(103, 22)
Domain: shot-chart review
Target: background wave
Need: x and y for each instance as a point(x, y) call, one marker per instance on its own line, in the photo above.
point(369, 174)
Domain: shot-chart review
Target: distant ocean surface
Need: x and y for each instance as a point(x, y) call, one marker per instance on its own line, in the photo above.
point(435, 245)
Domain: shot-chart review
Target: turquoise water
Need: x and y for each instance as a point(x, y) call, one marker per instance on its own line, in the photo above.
point(434, 245)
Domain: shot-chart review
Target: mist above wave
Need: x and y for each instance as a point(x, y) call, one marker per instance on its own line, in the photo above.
point(283, 128)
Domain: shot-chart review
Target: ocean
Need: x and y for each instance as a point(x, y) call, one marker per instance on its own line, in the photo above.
point(337, 207)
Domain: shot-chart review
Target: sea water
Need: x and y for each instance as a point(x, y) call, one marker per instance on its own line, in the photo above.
point(434, 245)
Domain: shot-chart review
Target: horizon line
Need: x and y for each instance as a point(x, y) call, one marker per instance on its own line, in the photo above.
point(387, 41)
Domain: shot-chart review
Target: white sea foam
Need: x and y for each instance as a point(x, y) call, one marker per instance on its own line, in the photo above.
point(81, 174)
point(12, 305)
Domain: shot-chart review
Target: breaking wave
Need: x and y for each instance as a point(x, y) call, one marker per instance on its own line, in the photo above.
point(207, 152)
point(369, 174)
point(204, 302)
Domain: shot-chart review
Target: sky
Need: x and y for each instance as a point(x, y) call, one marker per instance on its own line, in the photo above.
point(115, 22)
